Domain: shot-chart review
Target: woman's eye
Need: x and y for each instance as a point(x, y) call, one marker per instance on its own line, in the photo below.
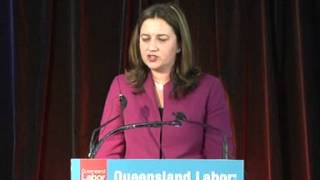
point(163, 39)
point(145, 39)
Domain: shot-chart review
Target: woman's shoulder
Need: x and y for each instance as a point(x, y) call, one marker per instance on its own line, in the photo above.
point(213, 85)
point(120, 77)
point(209, 79)
point(121, 80)
point(210, 82)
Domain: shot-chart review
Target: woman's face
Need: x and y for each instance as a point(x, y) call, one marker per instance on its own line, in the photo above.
point(158, 45)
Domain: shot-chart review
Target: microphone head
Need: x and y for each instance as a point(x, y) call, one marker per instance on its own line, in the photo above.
point(180, 116)
point(123, 101)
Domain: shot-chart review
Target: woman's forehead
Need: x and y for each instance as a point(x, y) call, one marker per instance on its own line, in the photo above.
point(156, 26)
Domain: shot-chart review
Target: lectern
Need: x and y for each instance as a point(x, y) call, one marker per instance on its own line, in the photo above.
point(157, 169)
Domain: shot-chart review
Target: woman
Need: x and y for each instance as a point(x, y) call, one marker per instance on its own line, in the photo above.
point(160, 83)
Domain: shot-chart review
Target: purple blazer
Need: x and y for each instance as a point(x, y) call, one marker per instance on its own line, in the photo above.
point(206, 105)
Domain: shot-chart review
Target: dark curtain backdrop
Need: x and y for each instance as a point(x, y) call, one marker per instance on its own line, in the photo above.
point(58, 59)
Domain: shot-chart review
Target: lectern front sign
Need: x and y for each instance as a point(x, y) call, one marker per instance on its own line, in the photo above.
point(152, 169)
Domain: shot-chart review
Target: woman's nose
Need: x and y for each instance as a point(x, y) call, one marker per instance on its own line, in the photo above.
point(152, 46)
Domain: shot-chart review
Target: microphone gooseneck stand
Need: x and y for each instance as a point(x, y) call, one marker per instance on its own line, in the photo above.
point(94, 147)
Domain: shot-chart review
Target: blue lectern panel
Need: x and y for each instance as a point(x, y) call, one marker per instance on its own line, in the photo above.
point(175, 170)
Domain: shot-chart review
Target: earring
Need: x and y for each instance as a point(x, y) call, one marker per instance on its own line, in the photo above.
point(178, 50)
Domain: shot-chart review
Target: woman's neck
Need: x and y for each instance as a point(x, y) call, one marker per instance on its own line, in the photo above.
point(161, 78)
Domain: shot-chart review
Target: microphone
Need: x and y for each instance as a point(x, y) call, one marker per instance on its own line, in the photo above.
point(123, 105)
point(180, 116)
point(153, 124)
point(123, 101)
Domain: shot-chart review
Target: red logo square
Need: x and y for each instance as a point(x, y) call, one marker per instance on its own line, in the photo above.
point(93, 169)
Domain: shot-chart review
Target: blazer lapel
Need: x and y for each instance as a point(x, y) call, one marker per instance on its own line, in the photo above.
point(150, 92)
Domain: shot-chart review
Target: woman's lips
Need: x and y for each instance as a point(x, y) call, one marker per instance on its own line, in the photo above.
point(152, 58)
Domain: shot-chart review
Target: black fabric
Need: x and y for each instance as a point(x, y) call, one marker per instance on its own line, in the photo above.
point(161, 112)
point(7, 101)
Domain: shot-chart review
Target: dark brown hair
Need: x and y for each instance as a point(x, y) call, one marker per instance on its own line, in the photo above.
point(184, 75)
